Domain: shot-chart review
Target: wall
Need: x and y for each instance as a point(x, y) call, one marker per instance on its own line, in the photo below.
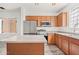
point(38, 13)
point(13, 14)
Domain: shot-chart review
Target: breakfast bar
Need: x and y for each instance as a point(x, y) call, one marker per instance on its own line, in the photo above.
point(24, 45)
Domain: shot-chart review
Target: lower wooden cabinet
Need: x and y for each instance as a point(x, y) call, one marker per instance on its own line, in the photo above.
point(56, 39)
point(59, 41)
point(65, 44)
point(68, 45)
point(74, 47)
point(51, 38)
point(25, 48)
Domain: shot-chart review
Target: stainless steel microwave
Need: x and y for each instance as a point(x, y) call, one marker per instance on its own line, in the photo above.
point(45, 23)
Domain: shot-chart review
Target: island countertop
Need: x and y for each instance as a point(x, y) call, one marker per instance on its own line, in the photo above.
point(23, 39)
point(14, 38)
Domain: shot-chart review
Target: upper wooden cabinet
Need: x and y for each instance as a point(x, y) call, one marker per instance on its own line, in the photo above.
point(56, 21)
point(61, 20)
point(39, 19)
point(31, 18)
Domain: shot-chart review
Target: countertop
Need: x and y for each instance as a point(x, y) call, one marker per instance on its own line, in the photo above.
point(69, 34)
point(13, 38)
point(65, 33)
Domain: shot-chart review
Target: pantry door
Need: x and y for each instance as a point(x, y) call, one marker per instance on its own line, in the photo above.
point(9, 25)
point(6, 25)
point(13, 26)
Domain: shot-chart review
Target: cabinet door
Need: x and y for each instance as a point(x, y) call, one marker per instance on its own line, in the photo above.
point(74, 47)
point(51, 39)
point(53, 20)
point(28, 18)
point(56, 21)
point(59, 41)
point(65, 19)
point(13, 26)
point(6, 25)
point(39, 20)
point(48, 18)
point(59, 20)
point(65, 45)
point(32, 18)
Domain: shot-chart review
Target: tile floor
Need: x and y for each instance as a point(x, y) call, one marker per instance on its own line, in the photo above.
point(52, 50)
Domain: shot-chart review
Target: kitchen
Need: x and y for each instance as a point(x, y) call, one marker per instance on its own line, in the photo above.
point(40, 29)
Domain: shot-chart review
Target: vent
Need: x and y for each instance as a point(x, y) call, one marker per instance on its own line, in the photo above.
point(2, 8)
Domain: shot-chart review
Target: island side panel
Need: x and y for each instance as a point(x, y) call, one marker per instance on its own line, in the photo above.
point(25, 48)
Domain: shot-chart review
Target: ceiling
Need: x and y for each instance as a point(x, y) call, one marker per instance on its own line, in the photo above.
point(49, 7)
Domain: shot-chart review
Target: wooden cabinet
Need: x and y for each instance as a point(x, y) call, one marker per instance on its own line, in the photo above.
point(65, 44)
point(68, 45)
point(32, 18)
point(74, 47)
point(62, 42)
point(51, 38)
point(61, 20)
point(58, 40)
point(39, 19)
point(56, 21)
point(25, 48)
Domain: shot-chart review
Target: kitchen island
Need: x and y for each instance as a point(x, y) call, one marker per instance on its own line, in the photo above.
point(24, 45)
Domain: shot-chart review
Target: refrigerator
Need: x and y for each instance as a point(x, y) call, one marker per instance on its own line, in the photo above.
point(29, 27)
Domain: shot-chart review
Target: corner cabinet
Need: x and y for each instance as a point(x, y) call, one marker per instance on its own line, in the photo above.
point(61, 20)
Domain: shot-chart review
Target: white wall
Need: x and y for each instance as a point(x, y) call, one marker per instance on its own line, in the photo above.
point(13, 14)
point(39, 13)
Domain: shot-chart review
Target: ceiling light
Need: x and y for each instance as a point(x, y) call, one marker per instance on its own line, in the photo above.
point(53, 4)
point(36, 4)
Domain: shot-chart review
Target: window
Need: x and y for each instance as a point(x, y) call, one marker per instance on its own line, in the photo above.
point(74, 18)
